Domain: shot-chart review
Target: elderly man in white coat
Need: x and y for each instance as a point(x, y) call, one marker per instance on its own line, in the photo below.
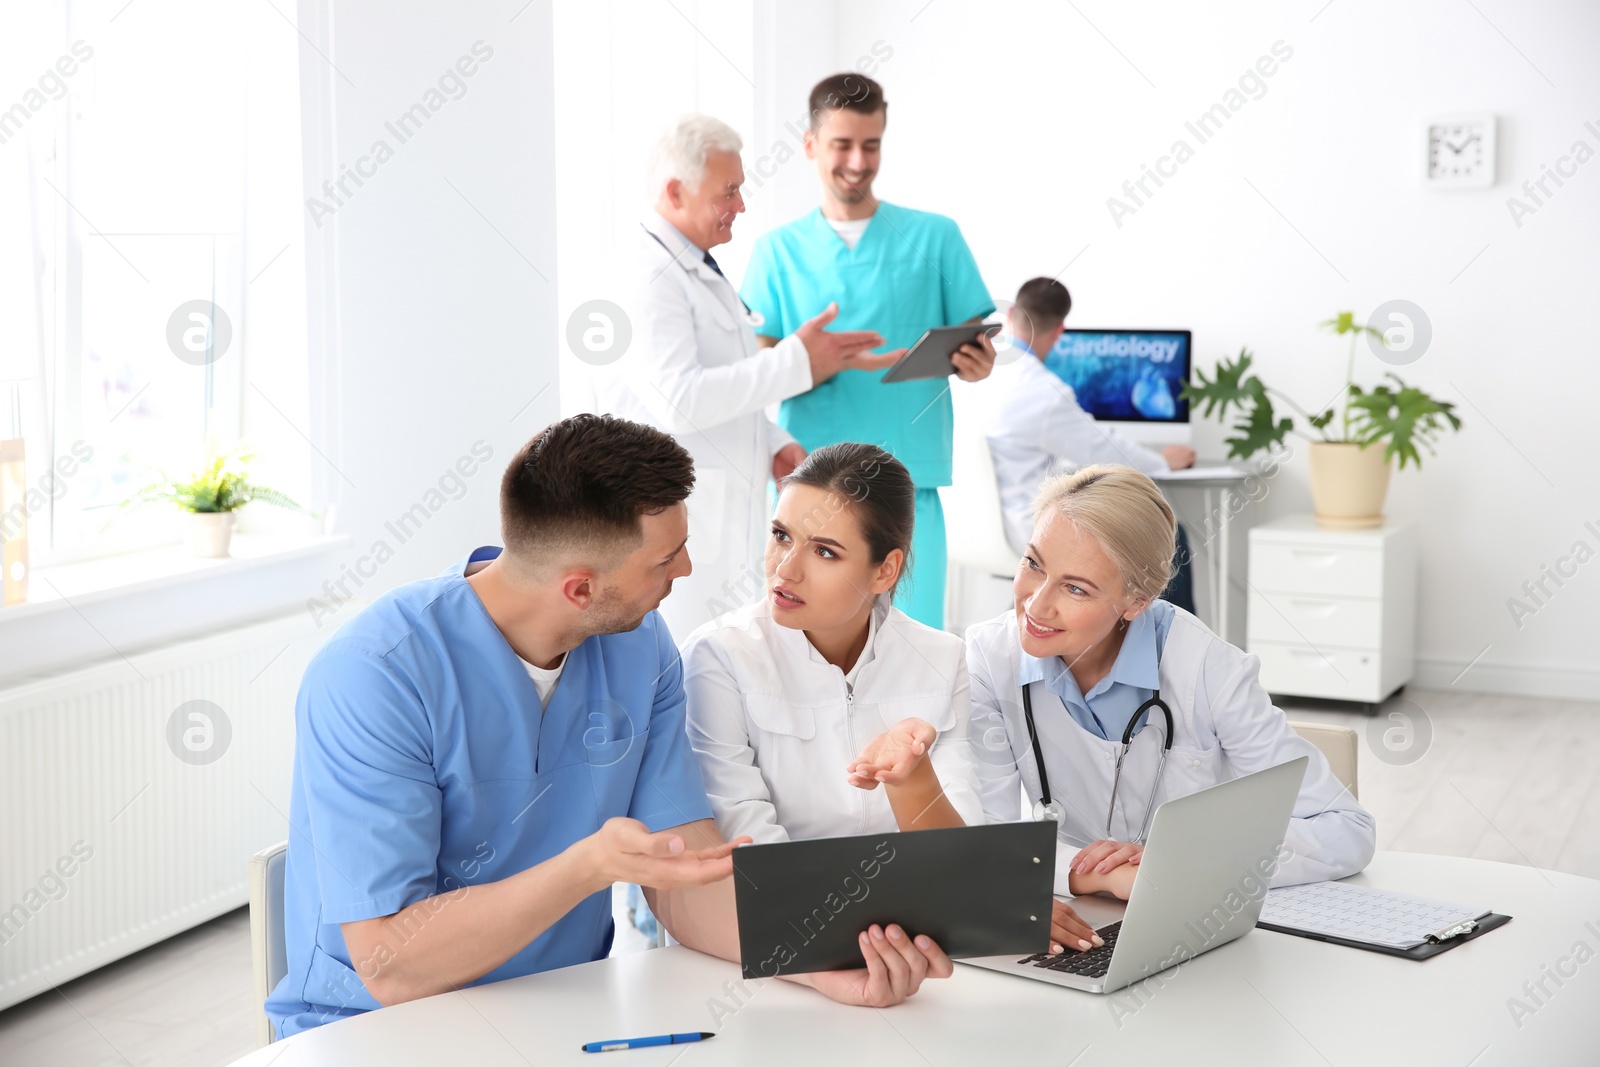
point(695, 371)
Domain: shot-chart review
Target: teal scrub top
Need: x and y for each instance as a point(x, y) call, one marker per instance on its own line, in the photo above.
point(423, 766)
point(909, 272)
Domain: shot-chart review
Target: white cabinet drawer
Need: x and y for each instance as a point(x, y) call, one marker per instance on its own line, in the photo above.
point(1303, 619)
point(1334, 673)
point(1308, 568)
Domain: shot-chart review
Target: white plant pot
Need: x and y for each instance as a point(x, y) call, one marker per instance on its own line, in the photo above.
point(208, 533)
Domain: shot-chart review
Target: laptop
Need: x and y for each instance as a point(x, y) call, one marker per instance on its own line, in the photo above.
point(1201, 883)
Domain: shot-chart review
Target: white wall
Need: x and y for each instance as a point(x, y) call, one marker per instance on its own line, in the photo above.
point(433, 295)
point(1021, 119)
point(625, 73)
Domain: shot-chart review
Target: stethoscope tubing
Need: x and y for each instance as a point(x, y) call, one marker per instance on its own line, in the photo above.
point(1045, 800)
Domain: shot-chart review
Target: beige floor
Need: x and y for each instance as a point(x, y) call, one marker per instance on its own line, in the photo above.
point(1499, 778)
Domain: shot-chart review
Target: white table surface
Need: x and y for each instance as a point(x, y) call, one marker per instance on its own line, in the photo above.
point(1267, 998)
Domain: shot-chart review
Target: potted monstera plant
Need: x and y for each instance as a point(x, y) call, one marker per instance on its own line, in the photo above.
point(209, 499)
point(1351, 444)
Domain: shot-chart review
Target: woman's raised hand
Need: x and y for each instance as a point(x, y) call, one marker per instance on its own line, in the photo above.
point(892, 756)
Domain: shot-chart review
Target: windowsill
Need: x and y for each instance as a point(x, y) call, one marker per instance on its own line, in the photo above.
point(102, 610)
point(68, 587)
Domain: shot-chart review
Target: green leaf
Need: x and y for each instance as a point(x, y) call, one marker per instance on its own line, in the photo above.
point(1321, 421)
point(272, 496)
point(1258, 430)
point(1404, 417)
point(1228, 388)
point(1343, 322)
point(222, 484)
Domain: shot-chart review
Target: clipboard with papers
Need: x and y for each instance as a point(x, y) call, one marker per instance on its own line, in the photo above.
point(1378, 920)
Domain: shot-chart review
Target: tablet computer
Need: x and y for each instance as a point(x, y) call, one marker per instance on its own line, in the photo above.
point(930, 356)
point(976, 890)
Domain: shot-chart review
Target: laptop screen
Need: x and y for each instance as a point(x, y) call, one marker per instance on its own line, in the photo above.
point(1125, 375)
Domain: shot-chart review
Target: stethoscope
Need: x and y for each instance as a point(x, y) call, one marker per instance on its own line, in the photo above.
point(753, 317)
point(1051, 809)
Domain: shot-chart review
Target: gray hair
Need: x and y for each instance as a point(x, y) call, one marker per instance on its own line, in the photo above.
point(682, 153)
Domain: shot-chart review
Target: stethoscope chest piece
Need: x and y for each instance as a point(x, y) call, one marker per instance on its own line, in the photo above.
point(1047, 807)
point(1052, 811)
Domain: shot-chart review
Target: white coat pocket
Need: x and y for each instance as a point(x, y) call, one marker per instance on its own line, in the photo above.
point(776, 715)
point(1190, 770)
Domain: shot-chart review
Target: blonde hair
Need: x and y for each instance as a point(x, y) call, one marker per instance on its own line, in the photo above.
point(1122, 509)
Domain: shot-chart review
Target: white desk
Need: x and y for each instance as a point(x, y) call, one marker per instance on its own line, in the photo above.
point(1266, 998)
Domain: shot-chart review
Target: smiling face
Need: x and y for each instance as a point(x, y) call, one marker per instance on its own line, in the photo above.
point(705, 213)
point(846, 146)
point(820, 573)
point(1070, 596)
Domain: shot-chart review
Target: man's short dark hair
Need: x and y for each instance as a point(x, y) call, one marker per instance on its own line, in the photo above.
point(579, 487)
point(1044, 302)
point(849, 91)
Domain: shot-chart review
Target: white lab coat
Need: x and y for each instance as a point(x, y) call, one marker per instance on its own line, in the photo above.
point(775, 725)
point(1225, 727)
point(693, 370)
point(1035, 428)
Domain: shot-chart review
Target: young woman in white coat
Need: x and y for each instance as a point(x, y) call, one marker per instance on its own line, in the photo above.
point(821, 710)
point(1090, 643)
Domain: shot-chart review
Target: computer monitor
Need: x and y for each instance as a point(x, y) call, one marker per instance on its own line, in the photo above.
point(1132, 379)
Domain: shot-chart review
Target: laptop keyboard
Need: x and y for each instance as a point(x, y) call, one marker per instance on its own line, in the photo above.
point(1091, 964)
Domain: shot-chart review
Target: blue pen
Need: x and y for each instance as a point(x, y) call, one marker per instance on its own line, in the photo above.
point(646, 1042)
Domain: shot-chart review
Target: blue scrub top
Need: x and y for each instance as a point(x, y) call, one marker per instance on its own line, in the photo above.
point(909, 272)
point(423, 765)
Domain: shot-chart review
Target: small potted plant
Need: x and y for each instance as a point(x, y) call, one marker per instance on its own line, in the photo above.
point(1349, 476)
point(210, 497)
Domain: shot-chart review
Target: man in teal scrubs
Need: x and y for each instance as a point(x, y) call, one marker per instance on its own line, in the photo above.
point(479, 756)
point(890, 269)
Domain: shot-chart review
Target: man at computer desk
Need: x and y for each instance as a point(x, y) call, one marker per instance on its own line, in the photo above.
point(1035, 426)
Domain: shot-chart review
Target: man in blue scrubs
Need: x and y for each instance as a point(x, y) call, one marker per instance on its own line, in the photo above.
point(890, 269)
point(479, 756)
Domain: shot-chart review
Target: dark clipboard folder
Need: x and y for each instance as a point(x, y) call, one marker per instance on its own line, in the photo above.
point(976, 890)
point(1492, 921)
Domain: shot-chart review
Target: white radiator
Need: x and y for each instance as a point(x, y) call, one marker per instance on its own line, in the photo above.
point(119, 826)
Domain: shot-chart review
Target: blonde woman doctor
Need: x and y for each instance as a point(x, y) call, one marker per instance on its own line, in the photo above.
point(1092, 645)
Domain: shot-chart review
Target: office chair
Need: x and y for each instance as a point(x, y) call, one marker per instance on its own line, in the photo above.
point(268, 957)
point(1339, 744)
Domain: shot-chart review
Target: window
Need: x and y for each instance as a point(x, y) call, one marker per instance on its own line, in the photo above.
point(150, 162)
